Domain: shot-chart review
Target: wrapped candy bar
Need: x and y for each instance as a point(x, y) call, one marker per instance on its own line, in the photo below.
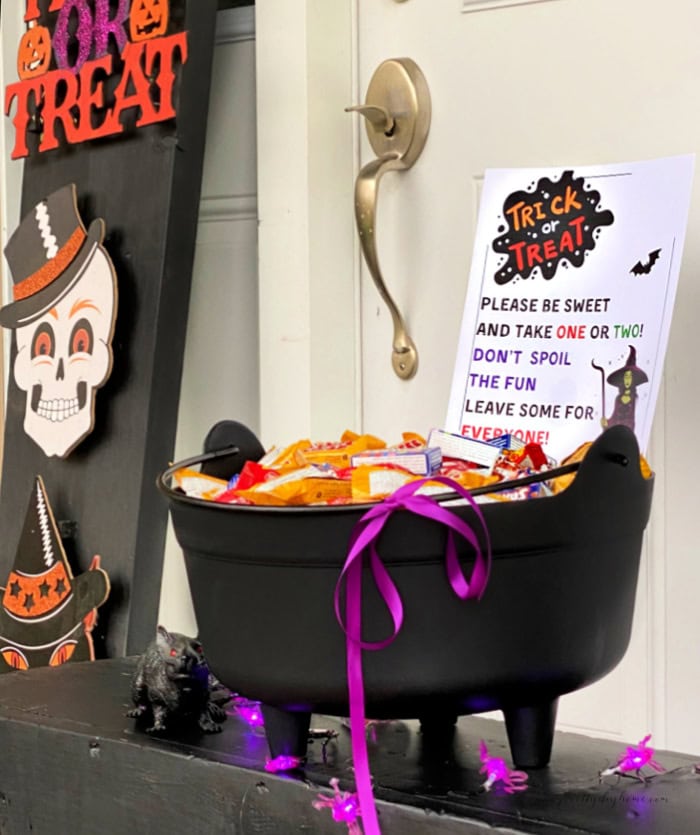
point(372, 484)
point(421, 461)
point(340, 453)
point(199, 486)
point(508, 441)
point(480, 453)
point(307, 485)
point(466, 474)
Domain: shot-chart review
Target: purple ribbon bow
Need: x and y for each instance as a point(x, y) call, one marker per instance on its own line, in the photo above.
point(363, 538)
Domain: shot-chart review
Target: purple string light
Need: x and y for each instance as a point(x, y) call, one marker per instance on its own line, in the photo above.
point(497, 771)
point(634, 759)
point(249, 711)
point(283, 763)
point(344, 806)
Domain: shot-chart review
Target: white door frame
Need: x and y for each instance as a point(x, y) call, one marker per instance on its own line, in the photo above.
point(309, 257)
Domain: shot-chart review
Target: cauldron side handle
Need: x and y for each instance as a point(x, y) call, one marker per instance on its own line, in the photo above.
point(531, 733)
point(287, 731)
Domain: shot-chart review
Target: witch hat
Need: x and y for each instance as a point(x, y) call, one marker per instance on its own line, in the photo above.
point(43, 603)
point(639, 376)
point(47, 254)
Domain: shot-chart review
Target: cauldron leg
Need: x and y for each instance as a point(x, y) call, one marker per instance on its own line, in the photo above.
point(287, 731)
point(438, 724)
point(531, 733)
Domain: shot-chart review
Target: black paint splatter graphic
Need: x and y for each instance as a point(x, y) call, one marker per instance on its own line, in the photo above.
point(553, 222)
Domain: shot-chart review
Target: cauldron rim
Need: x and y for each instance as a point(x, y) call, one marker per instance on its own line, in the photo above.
point(626, 437)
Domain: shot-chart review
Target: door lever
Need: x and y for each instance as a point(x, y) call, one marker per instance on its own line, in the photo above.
point(397, 109)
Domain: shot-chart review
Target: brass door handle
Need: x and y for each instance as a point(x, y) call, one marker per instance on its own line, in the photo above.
point(397, 109)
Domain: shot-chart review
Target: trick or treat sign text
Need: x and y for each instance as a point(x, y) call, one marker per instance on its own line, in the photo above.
point(569, 303)
point(89, 68)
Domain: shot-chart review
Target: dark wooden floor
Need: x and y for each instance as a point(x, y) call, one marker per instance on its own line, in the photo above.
point(72, 763)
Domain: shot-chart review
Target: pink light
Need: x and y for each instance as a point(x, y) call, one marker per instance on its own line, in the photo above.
point(497, 771)
point(634, 759)
point(249, 711)
point(283, 763)
point(344, 807)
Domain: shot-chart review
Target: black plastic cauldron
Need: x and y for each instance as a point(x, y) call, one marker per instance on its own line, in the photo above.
point(556, 615)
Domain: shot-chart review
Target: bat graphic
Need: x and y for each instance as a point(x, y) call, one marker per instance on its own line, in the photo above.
point(641, 268)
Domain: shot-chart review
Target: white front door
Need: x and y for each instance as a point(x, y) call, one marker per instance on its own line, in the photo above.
point(514, 83)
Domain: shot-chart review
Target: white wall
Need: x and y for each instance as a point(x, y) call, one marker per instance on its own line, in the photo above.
point(221, 368)
point(11, 27)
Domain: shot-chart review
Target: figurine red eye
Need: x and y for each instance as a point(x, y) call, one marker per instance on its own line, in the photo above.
point(81, 338)
point(62, 654)
point(173, 653)
point(44, 342)
point(15, 659)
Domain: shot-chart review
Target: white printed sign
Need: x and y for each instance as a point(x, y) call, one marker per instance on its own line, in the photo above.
point(569, 303)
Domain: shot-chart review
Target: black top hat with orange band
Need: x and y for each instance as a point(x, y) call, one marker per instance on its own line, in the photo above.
point(47, 254)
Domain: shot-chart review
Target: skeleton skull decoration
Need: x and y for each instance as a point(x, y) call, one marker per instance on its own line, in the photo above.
point(63, 315)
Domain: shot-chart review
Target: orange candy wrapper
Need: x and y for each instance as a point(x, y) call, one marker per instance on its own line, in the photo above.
point(199, 486)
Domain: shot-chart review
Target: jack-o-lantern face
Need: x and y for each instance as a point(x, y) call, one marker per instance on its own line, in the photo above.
point(34, 53)
point(149, 19)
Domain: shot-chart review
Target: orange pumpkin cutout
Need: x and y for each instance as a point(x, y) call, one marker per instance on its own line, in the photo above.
point(149, 19)
point(34, 53)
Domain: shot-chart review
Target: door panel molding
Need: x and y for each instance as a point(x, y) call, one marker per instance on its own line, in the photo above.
point(223, 311)
point(488, 5)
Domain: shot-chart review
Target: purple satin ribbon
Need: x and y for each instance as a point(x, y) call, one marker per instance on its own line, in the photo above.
point(363, 538)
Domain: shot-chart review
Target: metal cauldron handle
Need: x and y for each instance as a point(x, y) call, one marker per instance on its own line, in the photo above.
point(164, 477)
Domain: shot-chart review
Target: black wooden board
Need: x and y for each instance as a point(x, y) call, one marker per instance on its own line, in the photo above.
point(146, 185)
point(73, 763)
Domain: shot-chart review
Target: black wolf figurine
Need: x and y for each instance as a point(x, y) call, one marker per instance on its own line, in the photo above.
point(172, 685)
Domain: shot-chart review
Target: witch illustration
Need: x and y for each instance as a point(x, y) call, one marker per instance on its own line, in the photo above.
point(625, 379)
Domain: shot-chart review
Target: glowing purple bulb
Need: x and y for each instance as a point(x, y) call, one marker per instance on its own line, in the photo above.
point(496, 771)
point(345, 807)
point(252, 715)
point(283, 763)
point(249, 712)
point(634, 759)
point(345, 810)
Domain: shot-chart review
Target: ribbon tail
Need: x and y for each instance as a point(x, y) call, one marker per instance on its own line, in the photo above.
point(356, 695)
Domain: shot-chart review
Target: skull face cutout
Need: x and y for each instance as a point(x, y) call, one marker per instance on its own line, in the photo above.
point(64, 356)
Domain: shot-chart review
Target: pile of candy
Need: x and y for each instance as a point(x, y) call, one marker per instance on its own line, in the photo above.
point(362, 468)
